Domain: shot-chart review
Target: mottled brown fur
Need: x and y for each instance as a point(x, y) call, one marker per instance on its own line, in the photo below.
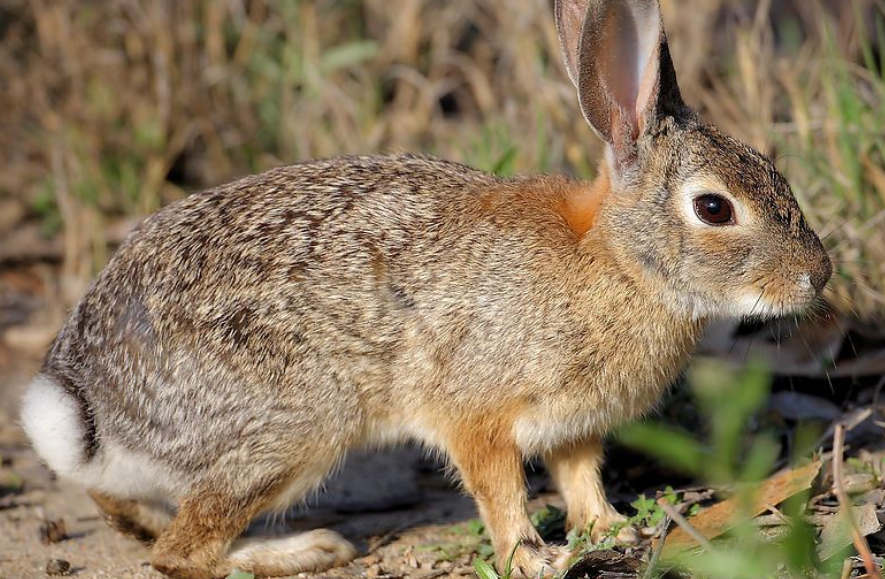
point(136, 519)
point(194, 545)
point(243, 339)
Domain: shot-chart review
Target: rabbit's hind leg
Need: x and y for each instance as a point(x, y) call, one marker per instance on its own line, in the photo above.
point(313, 551)
point(139, 520)
point(202, 540)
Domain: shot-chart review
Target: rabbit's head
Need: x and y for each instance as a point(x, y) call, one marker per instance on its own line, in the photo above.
point(710, 220)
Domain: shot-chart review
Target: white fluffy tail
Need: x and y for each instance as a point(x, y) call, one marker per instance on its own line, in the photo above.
point(52, 420)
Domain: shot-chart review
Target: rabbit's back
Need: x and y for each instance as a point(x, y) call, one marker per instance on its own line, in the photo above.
point(311, 299)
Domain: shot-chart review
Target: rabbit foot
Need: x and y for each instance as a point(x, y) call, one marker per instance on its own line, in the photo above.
point(600, 529)
point(532, 561)
point(313, 551)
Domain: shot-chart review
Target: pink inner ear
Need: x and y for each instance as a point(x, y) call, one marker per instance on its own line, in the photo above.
point(648, 88)
point(631, 47)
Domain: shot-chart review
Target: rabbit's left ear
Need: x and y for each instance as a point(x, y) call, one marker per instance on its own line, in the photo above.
point(617, 56)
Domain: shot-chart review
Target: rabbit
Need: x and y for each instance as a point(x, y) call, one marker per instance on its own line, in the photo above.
point(242, 340)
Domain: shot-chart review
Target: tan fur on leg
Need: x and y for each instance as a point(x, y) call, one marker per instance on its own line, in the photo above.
point(196, 542)
point(492, 471)
point(201, 542)
point(575, 469)
point(134, 518)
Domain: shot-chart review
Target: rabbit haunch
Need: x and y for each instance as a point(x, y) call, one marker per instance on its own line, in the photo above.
point(55, 423)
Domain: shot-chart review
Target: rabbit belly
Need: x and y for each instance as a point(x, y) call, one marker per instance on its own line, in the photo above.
point(538, 431)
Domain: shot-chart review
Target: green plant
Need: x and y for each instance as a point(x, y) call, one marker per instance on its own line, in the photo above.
point(549, 521)
point(731, 454)
point(650, 514)
point(485, 570)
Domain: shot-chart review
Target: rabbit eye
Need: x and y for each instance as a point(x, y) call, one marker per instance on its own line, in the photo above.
point(714, 209)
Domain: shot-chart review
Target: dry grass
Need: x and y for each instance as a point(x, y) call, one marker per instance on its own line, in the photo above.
point(111, 109)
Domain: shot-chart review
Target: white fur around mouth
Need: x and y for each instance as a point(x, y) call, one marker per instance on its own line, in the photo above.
point(758, 305)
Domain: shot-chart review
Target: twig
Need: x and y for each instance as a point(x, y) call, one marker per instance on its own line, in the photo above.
point(656, 553)
point(851, 421)
point(391, 535)
point(686, 526)
point(860, 542)
point(847, 567)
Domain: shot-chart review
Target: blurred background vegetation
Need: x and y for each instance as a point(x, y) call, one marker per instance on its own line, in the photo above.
point(112, 109)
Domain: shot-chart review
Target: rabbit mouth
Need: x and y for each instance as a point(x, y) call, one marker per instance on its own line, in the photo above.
point(767, 303)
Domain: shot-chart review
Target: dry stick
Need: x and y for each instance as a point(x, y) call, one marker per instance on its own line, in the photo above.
point(860, 542)
point(651, 570)
point(686, 526)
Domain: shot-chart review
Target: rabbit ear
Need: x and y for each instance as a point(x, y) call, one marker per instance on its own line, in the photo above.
point(625, 77)
point(569, 16)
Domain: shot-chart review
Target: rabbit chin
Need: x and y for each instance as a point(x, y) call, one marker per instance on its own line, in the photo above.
point(755, 305)
point(750, 304)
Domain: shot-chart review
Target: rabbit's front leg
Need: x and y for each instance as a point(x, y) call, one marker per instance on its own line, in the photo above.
point(492, 472)
point(575, 469)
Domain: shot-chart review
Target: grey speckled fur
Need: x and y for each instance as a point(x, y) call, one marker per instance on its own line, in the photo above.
point(245, 309)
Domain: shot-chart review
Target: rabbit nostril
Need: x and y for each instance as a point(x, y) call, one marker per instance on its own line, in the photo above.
point(821, 274)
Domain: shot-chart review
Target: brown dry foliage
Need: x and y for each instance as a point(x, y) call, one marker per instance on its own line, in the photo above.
point(110, 109)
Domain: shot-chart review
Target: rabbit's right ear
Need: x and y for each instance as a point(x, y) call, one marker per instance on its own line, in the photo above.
point(617, 56)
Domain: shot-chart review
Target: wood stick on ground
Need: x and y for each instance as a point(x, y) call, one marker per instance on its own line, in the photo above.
point(686, 526)
point(651, 570)
point(860, 542)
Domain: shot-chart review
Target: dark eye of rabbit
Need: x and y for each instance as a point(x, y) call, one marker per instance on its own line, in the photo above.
point(714, 210)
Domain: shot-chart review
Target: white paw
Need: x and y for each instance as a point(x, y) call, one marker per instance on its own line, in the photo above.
point(544, 561)
point(313, 552)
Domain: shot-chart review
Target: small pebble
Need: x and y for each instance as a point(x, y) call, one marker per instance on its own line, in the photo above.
point(58, 567)
point(53, 531)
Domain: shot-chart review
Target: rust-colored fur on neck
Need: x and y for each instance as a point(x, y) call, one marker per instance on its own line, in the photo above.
point(580, 206)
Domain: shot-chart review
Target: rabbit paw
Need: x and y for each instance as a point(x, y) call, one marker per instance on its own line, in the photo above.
point(538, 561)
point(312, 552)
point(600, 529)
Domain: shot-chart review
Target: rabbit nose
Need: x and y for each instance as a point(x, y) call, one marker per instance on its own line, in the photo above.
point(820, 275)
